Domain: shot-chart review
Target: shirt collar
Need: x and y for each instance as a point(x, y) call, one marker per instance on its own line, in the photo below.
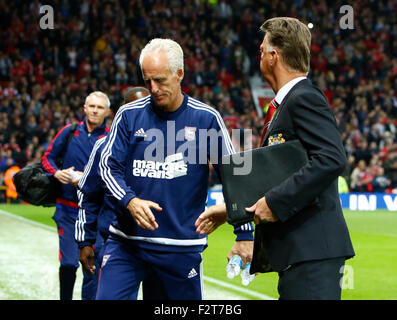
point(286, 88)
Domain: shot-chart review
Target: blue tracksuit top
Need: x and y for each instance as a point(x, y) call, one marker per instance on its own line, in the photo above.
point(76, 154)
point(162, 157)
point(96, 209)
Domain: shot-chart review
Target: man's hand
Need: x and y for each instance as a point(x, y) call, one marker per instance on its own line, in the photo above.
point(262, 212)
point(68, 176)
point(63, 176)
point(142, 213)
point(87, 259)
point(244, 249)
point(211, 219)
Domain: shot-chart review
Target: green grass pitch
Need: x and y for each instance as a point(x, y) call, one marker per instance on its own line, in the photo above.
point(371, 274)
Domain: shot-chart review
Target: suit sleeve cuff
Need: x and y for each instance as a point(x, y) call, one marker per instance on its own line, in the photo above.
point(282, 212)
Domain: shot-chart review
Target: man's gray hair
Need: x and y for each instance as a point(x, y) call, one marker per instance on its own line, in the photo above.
point(292, 38)
point(172, 50)
point(99, 94)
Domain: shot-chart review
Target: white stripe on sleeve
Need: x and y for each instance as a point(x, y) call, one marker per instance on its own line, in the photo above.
point(117, 191)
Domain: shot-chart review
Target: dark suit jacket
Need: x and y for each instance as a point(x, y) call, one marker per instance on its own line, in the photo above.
point(311, 225)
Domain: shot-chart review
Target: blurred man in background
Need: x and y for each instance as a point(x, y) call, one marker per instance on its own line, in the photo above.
point(75, 157)
point(11, 191)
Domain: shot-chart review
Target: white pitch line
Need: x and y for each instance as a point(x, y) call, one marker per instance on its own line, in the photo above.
point(34, 223)
point(207, 279)
point(29, 260)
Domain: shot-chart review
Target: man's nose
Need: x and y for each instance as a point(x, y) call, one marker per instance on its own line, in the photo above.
point(153, 87)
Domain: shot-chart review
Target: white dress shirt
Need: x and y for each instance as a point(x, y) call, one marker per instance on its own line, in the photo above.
point(286, 88)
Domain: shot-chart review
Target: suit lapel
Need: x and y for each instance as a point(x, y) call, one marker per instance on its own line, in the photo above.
point(280, 108)
point(278, 111)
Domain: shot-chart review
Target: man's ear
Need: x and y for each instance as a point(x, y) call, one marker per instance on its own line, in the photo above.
point(180, 75)
point(273, 57)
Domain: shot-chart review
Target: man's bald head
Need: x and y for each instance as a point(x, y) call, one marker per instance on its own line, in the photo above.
point(132, 94)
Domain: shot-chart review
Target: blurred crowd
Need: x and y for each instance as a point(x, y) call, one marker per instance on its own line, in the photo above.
point(45, 75)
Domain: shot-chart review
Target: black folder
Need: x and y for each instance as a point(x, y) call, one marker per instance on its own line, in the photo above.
point(244, 184)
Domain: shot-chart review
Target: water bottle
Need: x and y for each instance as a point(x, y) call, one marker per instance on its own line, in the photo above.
point(74, 175)
point(234, 266)
point(246, 277)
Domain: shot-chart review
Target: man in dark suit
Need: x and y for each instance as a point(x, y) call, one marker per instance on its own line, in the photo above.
point(300, 229)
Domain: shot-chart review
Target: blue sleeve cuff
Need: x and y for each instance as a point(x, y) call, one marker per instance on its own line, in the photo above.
point(127, 198)
point(244, 232)
point(84, 244)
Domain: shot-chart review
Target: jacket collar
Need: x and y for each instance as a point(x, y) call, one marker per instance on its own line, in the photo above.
point(295, 86)
point(285, 89)
point(98, 129)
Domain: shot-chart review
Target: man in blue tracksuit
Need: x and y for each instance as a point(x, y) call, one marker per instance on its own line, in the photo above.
point(155, 166)
point(75, 156)
point(95, 211)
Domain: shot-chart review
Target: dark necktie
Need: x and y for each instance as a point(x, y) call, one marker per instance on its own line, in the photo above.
point(268, 119)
